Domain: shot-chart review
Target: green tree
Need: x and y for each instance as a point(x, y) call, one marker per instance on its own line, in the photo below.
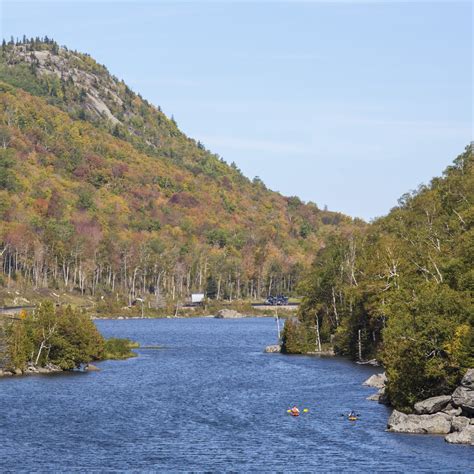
point(211, 288)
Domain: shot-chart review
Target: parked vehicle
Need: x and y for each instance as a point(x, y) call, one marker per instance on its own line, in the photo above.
point(278, 300)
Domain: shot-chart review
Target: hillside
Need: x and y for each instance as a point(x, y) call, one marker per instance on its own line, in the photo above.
point(401, 290)
point(102, 195)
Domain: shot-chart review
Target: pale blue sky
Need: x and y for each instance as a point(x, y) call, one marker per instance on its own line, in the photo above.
point(344, 103)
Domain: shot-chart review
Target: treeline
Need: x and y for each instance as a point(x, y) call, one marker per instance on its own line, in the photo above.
point(400, 290)
point(85, 211)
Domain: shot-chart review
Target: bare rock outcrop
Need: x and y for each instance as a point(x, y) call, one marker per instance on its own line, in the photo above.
point(463, 397)
point(439, 423)
point(432, 405)
point(459, 423)
point(468, 379)
point(451, 410)
point(465, 436)
point(376, 381)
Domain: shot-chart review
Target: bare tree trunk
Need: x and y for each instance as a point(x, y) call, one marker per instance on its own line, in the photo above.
point(318, 338)
point(219, 287)
point(334, 306)
point(360, 346)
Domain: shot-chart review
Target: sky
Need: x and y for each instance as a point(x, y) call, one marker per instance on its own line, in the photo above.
point(348, 104)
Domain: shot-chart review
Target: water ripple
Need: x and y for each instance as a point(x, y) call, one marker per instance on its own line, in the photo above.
point(209, 401)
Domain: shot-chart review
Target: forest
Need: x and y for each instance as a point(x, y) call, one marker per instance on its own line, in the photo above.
point(101, 195)
point(400, 290)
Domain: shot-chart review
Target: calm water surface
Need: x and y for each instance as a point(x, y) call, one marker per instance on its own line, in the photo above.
point(209, 400)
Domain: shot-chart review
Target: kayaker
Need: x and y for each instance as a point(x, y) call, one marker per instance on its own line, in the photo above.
point(352, 414)
point(295, 411)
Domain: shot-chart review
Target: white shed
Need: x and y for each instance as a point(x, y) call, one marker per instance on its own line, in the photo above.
point(197, 297)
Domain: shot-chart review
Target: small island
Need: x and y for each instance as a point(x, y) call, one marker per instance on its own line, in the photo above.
point(55, 339)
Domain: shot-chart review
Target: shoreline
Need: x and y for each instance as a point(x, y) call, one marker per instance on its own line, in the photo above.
point(450, 416)
point(193, 316)
point(49, 369)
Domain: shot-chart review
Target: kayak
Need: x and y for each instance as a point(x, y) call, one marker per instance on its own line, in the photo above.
point(294, 414)
point(352, 418)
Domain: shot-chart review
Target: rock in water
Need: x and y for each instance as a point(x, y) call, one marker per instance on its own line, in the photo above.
point(375, 397)
point(273, 349)
point(463, 397)
point(91, 368)
point(438, 423)
point(432, 405)
point(459, 423)
point(376, 380)
point(466, 436)
point(228, 313)
point(372, 362)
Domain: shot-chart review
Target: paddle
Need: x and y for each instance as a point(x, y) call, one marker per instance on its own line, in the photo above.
point(305, 410)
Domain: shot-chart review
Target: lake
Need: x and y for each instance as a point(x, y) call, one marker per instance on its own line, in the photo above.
point(211, 400)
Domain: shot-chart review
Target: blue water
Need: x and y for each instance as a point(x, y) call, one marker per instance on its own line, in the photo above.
point(210, 400)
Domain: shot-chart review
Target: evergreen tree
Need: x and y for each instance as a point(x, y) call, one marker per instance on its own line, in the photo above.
point(211, 288)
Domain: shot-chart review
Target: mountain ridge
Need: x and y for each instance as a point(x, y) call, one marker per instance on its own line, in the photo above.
point(141, 208)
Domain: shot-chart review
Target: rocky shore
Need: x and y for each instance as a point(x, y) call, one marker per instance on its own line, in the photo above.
point(449, 415)
point(273, 349)
point(30, 370)
point(47, 369)
point(228, 314)
point(377, 381)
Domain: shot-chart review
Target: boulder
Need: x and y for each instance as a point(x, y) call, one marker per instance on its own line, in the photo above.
point(380, 396)
point(376, 381)
point(466, 436)
point(375, 397)
point(432, 405)
point(273, 349)
point(463, 397)
point(439, 423)
point(91, 368)
point(451, 410)
point(458, 423)
point(468, 379)
point(43, 370)
point(53, 368)
point(5, 373)
point(17, 371)
point(228, 313)
point(383, 397)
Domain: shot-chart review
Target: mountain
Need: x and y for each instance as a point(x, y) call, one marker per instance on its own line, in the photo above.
point(401, 290)
point(101, 194)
